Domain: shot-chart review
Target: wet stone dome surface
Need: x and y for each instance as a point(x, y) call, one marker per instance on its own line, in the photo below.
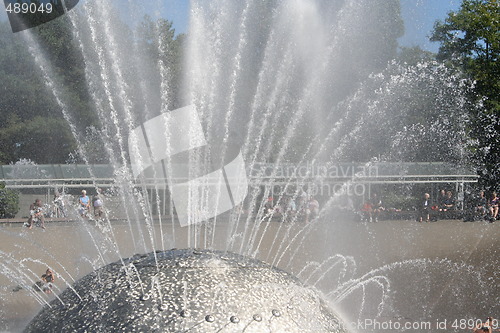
point(187, 291)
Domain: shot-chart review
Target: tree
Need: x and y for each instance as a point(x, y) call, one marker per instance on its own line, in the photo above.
point(9, 202)
point(45, 140)
point(22, 92)
point(162, 50)
point(33, 125)
point(32, 122)
point(414, 55)
point(59, 46)
point(470, 40)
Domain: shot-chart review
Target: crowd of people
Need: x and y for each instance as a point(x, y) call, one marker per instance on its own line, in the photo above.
point(479, 207)
point(372, 209)
point(291, 208)
point(487, 209)
point(86, 207)
point(298, 207)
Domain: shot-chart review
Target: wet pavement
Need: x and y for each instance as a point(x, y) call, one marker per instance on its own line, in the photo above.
point(445, 273)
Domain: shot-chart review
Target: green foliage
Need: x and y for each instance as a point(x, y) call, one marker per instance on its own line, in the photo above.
point(398, 201)
point(46, 139)
point(470, 40)
point(33, 125)
point(22, 93)
point(9, 202)
point(164, 49)
point(58, 45)
point(414, 55)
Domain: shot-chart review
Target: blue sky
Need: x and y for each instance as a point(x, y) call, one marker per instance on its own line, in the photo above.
point(419, 17)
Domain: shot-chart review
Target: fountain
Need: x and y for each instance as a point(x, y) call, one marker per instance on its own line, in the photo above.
point(264, 83)
point(188, 291)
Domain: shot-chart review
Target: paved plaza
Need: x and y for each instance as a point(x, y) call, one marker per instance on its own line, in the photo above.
point(438, 270)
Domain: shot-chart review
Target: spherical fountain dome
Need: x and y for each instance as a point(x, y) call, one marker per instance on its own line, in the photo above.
point(187, 291)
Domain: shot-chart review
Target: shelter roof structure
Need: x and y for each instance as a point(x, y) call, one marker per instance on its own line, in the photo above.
point(103, 175)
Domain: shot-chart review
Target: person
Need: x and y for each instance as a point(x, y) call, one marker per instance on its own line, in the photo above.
point(493, 206)
point(377, 207)
point(424, 208)
point(367, 210)
point(268, 209)
point(441, 200)
point(279, 208)
point(47, 279)
point(45, 284)
point(36, 215)
point(84, 202)
point(301, 202)
point(312, 210)
point(449, 202)
point(268, 206)
point(97, 203)
point(448, 206)
point(59, 209)
point(290, 208)
point(487, 326)
point(481, 205)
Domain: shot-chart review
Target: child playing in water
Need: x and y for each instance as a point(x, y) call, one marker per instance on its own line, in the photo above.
point(36, 215)
point(47, 279)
